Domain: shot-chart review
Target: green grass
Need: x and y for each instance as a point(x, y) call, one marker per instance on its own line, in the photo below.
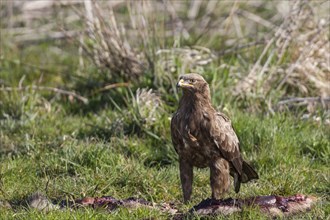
point(69, 150)
point(67, 155)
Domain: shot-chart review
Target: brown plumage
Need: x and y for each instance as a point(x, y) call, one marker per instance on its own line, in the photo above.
point(203, 137)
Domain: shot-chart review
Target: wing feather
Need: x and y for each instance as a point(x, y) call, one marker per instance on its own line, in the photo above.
point(175, 134)
point(226, 140)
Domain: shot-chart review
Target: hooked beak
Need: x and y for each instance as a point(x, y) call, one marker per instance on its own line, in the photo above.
point(183, 84)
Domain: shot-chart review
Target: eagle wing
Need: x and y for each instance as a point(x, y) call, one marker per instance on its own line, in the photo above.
point(226, 140)
point(175, 134)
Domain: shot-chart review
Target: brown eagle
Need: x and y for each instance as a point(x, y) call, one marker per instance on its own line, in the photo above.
point(203, 137)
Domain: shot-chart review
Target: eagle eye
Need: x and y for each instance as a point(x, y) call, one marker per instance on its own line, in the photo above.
point(191, 80)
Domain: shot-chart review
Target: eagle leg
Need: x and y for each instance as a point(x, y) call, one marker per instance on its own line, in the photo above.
point(219, 177)
point(186, 176)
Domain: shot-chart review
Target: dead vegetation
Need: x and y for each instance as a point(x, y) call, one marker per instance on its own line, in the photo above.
point(105, 42)
point(148, 105)
point(300, 50)
point(281, 54)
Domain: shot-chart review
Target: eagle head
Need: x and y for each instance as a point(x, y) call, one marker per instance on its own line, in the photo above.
point(192, 82)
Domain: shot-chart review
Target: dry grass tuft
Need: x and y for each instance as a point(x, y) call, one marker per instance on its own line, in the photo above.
point(148, 104)
point(300, 49)
point(171, 63)
point(188, 58)
point(105, 42)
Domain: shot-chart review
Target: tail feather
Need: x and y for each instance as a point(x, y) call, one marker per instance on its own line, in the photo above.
point(237, 182)
point(248, 173)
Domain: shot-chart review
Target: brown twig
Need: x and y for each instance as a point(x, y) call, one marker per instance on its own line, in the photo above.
point(303, 99)
point(44, 37)
point(255, 18)
point(52, 89)
point(112, 86)
point(239, 48)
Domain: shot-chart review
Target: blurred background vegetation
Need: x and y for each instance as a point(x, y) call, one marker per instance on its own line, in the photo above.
point(105, 72)
point(261, 56)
